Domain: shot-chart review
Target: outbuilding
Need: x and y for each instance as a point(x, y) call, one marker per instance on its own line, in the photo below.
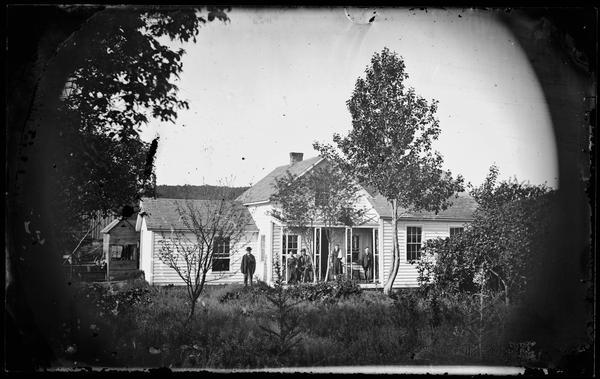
point(121, 248)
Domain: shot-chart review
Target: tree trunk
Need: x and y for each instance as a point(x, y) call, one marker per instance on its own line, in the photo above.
point(387, 289)
point(192, 308)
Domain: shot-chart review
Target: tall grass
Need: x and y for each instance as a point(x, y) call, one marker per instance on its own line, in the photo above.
point(137, 325)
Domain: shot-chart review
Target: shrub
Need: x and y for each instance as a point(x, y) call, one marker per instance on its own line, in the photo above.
point(108, 300)
point(250, 293)
point(326, 291)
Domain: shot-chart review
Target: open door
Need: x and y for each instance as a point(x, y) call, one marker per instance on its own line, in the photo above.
point(375, 255)
point(317, 251)
point(324, 255)
point(348, 260)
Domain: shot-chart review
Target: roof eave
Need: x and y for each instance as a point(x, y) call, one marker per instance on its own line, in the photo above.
point(163, 229)
point(256, 203)
point(413, 218)
point(110, 226)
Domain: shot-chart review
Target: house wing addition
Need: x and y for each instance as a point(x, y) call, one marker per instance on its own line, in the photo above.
point(162, 214)
point(462, 208)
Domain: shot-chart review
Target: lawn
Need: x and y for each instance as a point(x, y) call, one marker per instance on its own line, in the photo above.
point(136, 325)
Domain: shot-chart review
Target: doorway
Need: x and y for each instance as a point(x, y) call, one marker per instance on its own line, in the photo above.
point(324, 249)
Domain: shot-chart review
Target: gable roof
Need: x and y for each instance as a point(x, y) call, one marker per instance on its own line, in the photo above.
point(264, 188)
point(130, 220)
point(462, 208)
point(161, 213)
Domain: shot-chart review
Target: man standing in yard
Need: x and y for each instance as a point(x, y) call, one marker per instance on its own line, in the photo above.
point(248, 266)
point(367, 264)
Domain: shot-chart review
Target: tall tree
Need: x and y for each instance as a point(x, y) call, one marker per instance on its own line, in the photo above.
point(122, 75)
point(325, 196)
point(82, 73)
point(389, 145)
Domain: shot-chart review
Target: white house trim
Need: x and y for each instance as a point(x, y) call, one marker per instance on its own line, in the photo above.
point(310, 168)
point(109, 227)
point(257, 203)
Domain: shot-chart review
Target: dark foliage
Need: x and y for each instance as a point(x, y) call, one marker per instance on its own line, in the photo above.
point(106, 300)
point(501, 248)
point(341, 288)
point(333, 291)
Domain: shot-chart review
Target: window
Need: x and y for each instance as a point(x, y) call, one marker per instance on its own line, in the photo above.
point(220, 258)
point(129, 252)
point(376, 254)
point(355, 248)
point(263, 245)
point(290, 244)
point(116, 251)
point(413, 243)
point(456, 230)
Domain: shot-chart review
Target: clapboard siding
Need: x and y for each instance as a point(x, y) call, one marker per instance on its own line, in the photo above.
point(164, 275)
point(407, 272)
point(261, 214)
point(276, 243)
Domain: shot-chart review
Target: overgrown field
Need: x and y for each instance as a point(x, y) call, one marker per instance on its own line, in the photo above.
point(327, 324)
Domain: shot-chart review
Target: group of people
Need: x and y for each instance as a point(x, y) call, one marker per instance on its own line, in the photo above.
point(365, 259)
point(300, 268)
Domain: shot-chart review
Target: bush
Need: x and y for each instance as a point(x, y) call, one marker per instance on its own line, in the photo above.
point(250, 293)
point(326, 291)
point(109, 299)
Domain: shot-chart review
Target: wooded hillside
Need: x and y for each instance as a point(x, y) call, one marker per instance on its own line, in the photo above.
point(204, 192)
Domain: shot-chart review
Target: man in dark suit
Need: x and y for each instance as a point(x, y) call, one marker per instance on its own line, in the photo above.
point(248, 266)
point(306, 267)
point(292, 264)
point(367, 264)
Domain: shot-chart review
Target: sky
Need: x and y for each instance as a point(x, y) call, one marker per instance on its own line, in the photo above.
point(273, 81)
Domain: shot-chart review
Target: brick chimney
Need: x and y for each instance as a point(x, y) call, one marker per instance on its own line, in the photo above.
point(296, 157)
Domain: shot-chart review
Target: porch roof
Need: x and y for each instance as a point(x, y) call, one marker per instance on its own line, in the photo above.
point(161, 213)
point(462, 208)
point(265, 187)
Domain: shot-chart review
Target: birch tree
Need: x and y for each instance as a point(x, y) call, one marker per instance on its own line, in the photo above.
point(390, 145)
point(208, 229)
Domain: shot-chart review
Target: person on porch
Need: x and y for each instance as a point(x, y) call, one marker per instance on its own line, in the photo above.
point(248, 266)
point(338, 257)
point(306, 266)
point(292, 264)
point(367, 264)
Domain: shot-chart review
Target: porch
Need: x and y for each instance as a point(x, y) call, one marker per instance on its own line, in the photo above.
point(339, 251)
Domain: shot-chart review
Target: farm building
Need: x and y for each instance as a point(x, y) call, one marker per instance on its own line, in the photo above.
point(278, 244)
point(273, 242)
point(120, 245)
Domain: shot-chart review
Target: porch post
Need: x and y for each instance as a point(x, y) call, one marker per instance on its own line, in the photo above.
point(108, 264)
point(381, 252)
point(314, 256)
